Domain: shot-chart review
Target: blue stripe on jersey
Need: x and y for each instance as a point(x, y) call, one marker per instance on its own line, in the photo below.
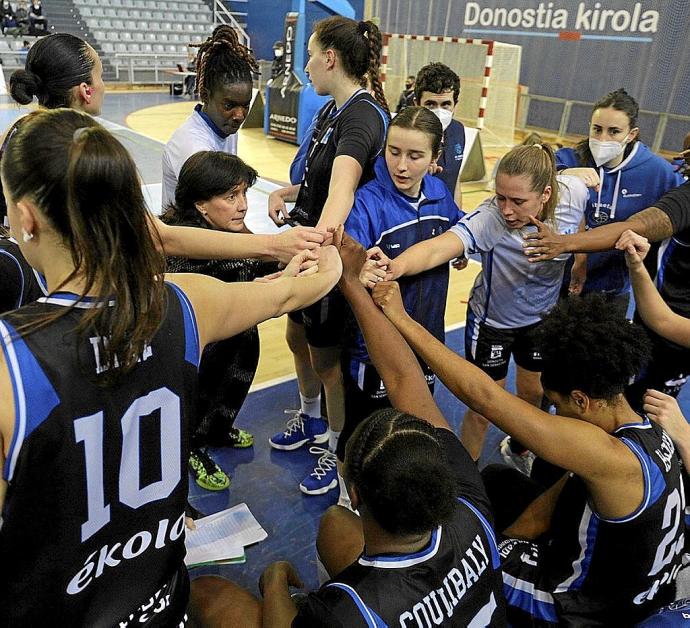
point(644, 424)
point(589, 526)
point(29, 410)
point(523, 595)
point(372, 619)
point(405, 560)
point(191, 331)
point(21, 274)
point(667, 247)
point(495, 557)
point(473, 248)
point(487, 270)
point(654, 483)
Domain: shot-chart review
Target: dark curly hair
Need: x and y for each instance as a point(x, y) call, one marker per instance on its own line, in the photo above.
point(359, 46)
point(401, 473)
point(587, 345)
point(436, 78)
point(223, 59)
point(619, 100)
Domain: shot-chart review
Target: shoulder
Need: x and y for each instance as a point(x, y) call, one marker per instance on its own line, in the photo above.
point(572, 190)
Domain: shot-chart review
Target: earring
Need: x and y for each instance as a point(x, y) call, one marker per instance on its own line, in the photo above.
point(26, 236)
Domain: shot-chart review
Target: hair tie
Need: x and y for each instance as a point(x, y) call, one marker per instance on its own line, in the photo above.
point(79, 133)
point(363, 29)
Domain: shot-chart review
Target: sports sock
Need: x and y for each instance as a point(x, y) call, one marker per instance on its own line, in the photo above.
point(333, 439)
point(311, 406)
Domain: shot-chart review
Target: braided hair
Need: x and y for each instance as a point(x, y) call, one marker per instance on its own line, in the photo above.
point(401, 473)
point(223, 59)
point(359, 46)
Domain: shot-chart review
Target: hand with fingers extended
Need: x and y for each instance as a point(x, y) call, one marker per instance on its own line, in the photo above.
point(589, 176)
point(665, 410)
point(635, 246)
point(303, 264)
point(277, 209)
point(290, 242)
point(388, 297)
point(543, 244)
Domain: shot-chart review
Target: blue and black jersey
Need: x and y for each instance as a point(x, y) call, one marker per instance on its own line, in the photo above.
point(382, 216)
point(455, 580)
point(93, 520)
point(19, 283)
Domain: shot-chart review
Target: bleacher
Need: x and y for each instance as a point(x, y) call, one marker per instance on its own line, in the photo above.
point(145, 34)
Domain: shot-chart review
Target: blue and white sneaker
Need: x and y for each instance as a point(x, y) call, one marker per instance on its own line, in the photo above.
point(301, 429)
point(324, 477)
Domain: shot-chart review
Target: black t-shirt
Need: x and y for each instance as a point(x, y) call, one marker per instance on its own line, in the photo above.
point(358, 130)
point(672, 269)
point(19, 284)
point(454, 581)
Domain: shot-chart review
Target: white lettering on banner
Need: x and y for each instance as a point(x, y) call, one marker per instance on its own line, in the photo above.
point(589, 17)
point(432, 607)
point(277, 117)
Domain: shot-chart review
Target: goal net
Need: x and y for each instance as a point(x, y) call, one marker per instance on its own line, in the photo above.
point(489, 74)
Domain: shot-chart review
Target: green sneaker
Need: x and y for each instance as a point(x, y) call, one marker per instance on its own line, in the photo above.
point(207, 473)
point(239, 438)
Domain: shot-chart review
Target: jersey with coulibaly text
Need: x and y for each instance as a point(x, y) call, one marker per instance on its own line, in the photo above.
point(455, 580)
point(93, 520)
point(615, 572)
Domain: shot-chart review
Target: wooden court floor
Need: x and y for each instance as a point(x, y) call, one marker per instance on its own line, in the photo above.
point(272, 159)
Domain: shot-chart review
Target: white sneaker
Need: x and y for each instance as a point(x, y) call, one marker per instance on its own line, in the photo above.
point(522, 462)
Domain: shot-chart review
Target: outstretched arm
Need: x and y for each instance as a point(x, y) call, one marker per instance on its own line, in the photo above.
point(655, 313)
point(591, 453)
point(545, 244)
point(225, 309)
point(426, 254)
point(392, 357)
point(198, 243)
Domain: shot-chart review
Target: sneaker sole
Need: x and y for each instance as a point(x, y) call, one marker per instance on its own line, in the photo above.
point(317, 440)
point(319, 491)
point(212, 487)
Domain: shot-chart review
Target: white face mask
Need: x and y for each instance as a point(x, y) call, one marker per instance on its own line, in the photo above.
point(278, 53)
point(445, 116)
point(604, 152)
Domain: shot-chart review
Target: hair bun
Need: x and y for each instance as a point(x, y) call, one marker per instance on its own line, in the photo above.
point(24, 85)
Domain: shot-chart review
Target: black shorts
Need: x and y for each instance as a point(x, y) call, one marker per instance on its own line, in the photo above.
point(324, 321)
point(668, 370)
point(365, 393)
point(490, 348)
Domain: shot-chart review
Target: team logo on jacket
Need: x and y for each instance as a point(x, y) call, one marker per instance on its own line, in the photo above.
point(625, 193)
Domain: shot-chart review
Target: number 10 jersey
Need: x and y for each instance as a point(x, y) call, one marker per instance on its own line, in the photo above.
point(93, 521)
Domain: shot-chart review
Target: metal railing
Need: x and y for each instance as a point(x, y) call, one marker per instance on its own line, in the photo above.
point(223, 15)
point(662, 118)
point(156, 68)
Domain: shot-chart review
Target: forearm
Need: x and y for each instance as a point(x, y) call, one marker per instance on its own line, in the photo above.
point(289, 194)
point(337, 208)
point(279, 610)
point(198, 243)
point(535, 520)
point(429, 254)
point(394, 360)
point(299, 292)
point(654, 311)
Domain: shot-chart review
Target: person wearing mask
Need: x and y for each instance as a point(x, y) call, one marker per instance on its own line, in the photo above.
point(437, 88)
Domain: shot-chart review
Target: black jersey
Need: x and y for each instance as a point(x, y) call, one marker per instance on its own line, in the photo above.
point(672, 269)
point(616, 572)
point(93, 520)
point(454, 581)
point(19, 283)
point(357, 129)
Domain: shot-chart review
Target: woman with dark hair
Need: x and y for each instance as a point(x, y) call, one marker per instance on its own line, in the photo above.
point(508, 297)
point(225, 70)
point(97, 381)
point(624, 177)
point(603, 545)
point(212, 194)
point(349, 132)
point(401, 206)
point(64, 71)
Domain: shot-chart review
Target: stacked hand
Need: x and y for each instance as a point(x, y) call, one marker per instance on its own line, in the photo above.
point(543, 244)
point(635, 246)
point(388, 297)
